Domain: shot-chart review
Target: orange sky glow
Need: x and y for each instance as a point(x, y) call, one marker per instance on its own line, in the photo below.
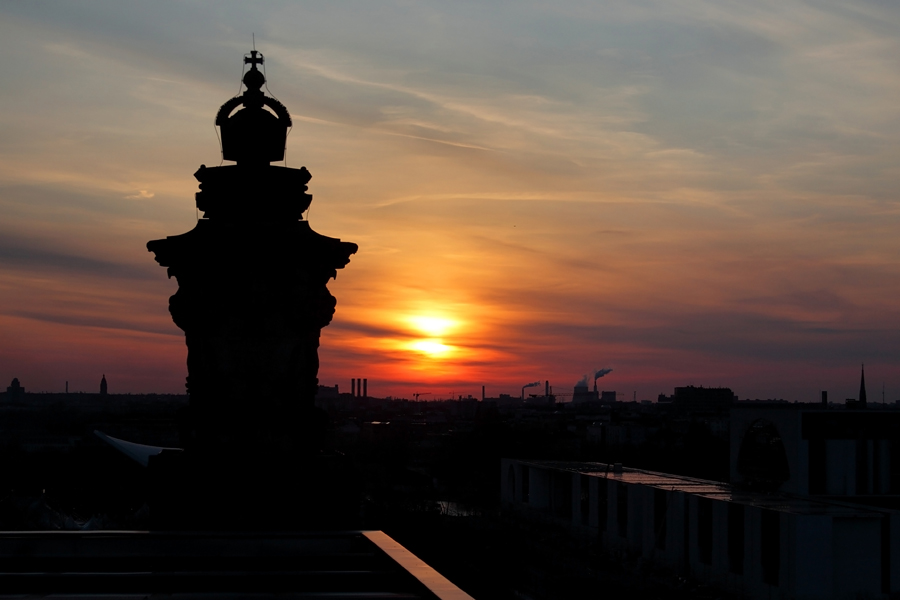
point(686, 192)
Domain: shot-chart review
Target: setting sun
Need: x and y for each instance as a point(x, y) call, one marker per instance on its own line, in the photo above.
point(430, 325)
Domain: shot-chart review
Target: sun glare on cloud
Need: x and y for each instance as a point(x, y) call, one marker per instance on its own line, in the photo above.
point(433, 348)
point(433, 328)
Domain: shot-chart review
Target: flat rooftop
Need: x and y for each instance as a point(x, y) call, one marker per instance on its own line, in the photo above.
point(716, 490)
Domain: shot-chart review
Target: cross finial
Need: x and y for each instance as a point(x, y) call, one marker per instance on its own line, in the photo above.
point(255, 58)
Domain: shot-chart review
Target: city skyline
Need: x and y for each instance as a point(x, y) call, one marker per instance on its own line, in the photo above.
point(688, 193)
point(358, 388)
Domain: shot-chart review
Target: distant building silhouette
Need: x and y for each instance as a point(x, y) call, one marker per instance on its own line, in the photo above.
point(15, 392)
point(103, 386)
point(326, 391)
point(862, 387)
point(701, 399)
point(859, 403)
point(583, 394)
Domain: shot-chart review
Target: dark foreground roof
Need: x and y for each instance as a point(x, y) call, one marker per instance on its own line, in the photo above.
point(135, 564)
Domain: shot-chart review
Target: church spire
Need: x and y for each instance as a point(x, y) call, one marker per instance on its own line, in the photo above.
point(862, 387)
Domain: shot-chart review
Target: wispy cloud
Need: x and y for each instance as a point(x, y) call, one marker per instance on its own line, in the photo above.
point(140, 195)
point(31, 257)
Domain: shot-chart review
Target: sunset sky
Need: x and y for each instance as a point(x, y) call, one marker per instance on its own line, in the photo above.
point(685, 191)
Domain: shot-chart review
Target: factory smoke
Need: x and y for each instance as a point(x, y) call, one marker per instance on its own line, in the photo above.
point(600, 373)
point(595, 375)
point(528, 385)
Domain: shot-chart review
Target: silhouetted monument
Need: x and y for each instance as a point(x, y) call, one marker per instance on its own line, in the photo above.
point(103, 390)
point(252, 300)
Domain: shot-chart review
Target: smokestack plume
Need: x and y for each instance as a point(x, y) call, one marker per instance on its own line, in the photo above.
point(595, 375)
point(528, 385)
point(598, 374)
